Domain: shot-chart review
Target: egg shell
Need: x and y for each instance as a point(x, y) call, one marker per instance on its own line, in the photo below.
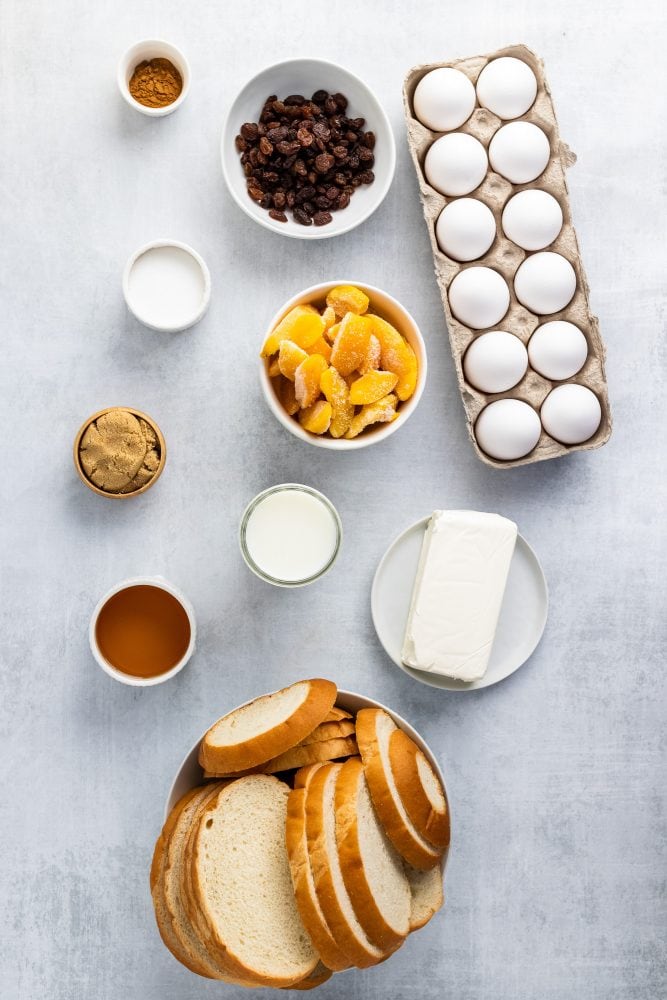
point(456, 164)
point(465, 229)
point(507, 87)
point(444, 99)
point(558, 350)
point(532, 219)
point(495, 362)
point(508, 429)
point(479, 297)
point(571, 413)
point(545, 282)
point(519, 151)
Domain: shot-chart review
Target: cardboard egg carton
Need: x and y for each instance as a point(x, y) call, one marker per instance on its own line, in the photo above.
point(505, 256)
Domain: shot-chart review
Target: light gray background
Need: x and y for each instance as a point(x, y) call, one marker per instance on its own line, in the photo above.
point(556, 883)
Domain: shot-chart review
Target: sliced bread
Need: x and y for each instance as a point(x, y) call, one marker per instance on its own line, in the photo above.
point(330, 887)
point(302, 877)
point(336, 713)
point(372, 870)
point(242, 887)
point(419, 789)
point(319, 975)
point(427, 894)
point(330, 731)
point(374, 729)
point(313, 753)
point(266, 727)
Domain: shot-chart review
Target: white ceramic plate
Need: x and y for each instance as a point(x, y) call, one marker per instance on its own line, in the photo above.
point(522, 617)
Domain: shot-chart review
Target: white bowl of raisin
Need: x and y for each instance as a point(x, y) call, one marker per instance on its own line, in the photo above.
point(342, 365)
point(307, 149)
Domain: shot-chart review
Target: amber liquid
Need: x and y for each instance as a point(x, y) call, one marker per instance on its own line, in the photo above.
point(143, 631)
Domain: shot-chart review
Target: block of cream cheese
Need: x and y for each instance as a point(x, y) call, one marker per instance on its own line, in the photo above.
point(458, 592)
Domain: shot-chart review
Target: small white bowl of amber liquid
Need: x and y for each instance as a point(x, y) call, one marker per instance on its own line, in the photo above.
point(142, 632)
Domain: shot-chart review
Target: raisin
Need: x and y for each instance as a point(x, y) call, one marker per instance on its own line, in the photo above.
point(295, 99)
point(266, 147)
point(324, 162)
point(305, 138)
point(341, 101)
point(320, 96)
point(278, 216)
point(249, 131)
point(302, 217)
point(322, 218)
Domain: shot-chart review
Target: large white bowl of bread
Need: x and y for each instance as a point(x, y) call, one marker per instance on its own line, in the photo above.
point(306, 833)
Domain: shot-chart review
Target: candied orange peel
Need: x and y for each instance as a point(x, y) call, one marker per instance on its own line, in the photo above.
point(340, 369)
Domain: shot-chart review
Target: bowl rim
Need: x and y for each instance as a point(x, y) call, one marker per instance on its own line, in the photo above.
point(183, 68)
point(206, 274)
point(352, 700)
point(129, 679)
point(384, 430)
point(310, 232)
point(77, 458)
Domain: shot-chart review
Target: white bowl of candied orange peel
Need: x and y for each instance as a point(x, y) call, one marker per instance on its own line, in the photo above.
point(343, 365)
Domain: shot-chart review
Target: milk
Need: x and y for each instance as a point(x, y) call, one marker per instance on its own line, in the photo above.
point(166, 287)
point(291, 535)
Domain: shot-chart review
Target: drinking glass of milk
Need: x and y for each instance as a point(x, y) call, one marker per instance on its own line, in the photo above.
point(290, 535)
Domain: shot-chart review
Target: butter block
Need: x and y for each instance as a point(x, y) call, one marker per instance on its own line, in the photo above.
point(458, 593)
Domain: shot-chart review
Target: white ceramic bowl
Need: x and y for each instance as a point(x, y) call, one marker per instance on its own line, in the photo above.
point(118, 675)
point(190, 774)
point(152, 48)
point(305, 76)
point(145, 317)
point(390, 309)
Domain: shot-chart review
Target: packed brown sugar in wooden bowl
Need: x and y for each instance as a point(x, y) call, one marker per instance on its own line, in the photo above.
point(119, 452)
point(491, 166)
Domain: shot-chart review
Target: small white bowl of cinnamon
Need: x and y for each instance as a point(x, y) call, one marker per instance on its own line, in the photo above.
point(154, 77)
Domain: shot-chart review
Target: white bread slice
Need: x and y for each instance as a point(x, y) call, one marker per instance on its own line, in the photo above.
point(372, 870)
point(314, 753)
point(419, 789)
point(266, 727)
point(332, 895)
point(330, 731)
point(427, 895)
point(201, 960)
point(242, 886)
point(374, 728)
point(336, 713)
point(162, 915)
point(302, 877)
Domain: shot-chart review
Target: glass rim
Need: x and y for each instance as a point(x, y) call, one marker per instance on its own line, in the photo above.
point(252, 506)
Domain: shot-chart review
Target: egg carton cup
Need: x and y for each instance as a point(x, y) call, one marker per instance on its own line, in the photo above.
point(505, 256)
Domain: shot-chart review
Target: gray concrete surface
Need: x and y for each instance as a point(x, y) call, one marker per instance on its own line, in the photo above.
point(556, 887)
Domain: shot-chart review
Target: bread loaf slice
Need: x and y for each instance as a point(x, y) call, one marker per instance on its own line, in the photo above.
point(266, 727)
point(419, 789)
point(330, 731)
point(302, 877)
point(427, 894)
point(319, 975)
point(336, 713)
point(374, 728)
point(242, 886)
point(330, 887)
point(372, 870)
point(313, 753)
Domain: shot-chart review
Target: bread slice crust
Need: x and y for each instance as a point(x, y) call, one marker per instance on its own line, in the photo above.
point(350, 787)
point(427, 895)
point(302, 877)
point(397, 824)
point(408, 764)
point(329, 886)
point(220, 756)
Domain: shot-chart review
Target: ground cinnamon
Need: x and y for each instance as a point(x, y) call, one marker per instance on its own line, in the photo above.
point(156, 83)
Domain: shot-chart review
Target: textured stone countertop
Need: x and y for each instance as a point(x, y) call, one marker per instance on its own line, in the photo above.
point(556, 882)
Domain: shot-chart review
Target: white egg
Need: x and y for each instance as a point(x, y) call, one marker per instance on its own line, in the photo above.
point(456, 164)
point(532, 219)
point(571, 413)
point(558, 350)
point(508, 429)
point(519, 151)
point(444, 99)
point(495, 361)
point(465, 229)
point(507, 87)
point(479, 297)
point(545, 282)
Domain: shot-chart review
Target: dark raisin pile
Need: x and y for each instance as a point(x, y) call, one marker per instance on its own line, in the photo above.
point(306, 157)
